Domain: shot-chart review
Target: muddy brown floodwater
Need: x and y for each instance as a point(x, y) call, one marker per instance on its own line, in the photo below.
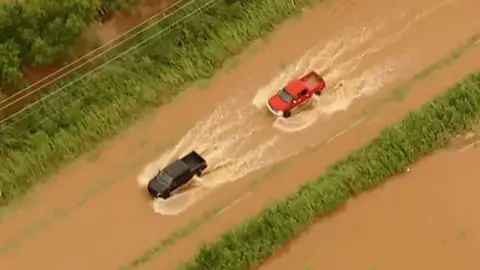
point(94, 214)
point(426, 218)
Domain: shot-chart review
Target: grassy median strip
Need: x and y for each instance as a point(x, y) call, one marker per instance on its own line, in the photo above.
point(417, 135)
point(62, 127)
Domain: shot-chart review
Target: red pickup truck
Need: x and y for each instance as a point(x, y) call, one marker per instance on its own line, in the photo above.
point(296, 94)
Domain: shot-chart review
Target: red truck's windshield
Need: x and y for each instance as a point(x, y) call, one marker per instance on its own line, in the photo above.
point(285, 96)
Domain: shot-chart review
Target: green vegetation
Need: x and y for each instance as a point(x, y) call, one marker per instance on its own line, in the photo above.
point(417, 135)
point(40, 31)
point(60, 128)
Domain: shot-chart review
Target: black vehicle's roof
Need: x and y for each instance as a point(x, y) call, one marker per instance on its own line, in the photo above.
point(176, 169)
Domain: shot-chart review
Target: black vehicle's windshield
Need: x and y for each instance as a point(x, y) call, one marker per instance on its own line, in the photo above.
point(165, 177)
point(285, 96)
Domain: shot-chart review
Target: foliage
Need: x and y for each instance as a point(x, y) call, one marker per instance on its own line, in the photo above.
point(417, 135)
point(40, 31)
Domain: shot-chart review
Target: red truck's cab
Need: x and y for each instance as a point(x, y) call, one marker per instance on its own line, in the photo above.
point(295, 94)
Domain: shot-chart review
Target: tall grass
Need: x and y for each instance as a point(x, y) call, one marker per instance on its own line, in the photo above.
point(417, 135)
point(62, 127)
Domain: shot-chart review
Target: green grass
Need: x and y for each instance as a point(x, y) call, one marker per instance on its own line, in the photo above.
point(417, 135)
point(73, 122)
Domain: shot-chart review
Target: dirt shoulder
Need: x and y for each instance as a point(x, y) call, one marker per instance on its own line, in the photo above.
point(94, 207)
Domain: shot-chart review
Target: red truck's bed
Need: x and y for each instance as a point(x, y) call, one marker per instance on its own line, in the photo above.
point(312, 80)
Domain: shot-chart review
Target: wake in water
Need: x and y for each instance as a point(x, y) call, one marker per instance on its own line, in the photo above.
point(232, 146)
point(321, 57)
point(343, 95)
point(235, 169)
point(343, 86)
point(207, 137)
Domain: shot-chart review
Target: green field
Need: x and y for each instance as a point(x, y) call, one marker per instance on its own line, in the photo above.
point(418, 134)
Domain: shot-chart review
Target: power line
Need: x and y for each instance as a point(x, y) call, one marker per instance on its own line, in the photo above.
point(86, 56)
point(102, 65)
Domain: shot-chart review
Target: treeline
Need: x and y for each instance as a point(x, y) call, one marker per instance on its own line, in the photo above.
point(417, 135)
point(35, 32)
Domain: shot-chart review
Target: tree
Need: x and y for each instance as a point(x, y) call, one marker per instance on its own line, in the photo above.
point(41, 31)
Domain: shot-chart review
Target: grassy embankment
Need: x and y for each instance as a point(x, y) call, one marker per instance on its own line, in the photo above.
point(417, 135)
point(68, 124)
